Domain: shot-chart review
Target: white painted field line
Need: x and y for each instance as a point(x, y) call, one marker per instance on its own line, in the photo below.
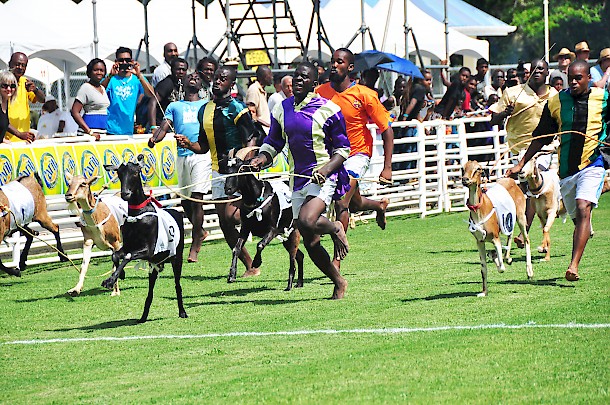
point(529, 325)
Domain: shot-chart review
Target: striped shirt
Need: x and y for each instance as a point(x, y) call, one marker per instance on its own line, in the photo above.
point(223, 125)
point(314, 130)
point(587, 113)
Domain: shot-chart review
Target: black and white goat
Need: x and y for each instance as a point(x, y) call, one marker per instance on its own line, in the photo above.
point(262, 214)
point(149, 233)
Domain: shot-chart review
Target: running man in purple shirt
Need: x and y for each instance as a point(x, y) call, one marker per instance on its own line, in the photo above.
point(314, 129)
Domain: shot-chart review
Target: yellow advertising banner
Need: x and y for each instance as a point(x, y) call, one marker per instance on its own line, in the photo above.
point(52, 160)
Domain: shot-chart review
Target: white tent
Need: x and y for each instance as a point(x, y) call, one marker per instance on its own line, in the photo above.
point(61, 32)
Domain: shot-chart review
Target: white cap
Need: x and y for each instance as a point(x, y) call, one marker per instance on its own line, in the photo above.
point(49, 98)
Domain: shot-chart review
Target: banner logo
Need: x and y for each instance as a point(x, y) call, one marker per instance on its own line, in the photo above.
point(110, 158)
point(68, 165)
point(90, 164)
point(168, 163)
point(148, 168)
point(25, 166)
point(50, 170)
point(6, 170)
point(128, 155)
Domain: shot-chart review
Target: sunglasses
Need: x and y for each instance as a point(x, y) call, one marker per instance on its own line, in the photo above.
point(124, 60)
point(6, 86)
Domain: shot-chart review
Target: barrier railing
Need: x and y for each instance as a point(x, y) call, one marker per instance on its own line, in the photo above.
point(426, 173)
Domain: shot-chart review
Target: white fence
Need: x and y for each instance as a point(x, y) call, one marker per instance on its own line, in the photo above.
point(426, 176)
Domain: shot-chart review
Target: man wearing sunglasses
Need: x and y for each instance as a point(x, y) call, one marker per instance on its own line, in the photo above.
point(582, 110)
point(125, 87)
point(19, 108)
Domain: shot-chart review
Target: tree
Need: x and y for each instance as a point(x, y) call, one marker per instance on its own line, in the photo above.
point(569, 23)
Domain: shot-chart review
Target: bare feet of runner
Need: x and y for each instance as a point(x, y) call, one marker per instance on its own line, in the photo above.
point(381, 213)
point(254, 271)
point(195, 248)
point(340, 289)
point(340, 241)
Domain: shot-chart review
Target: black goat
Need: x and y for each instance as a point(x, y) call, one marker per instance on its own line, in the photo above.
point(261, 215)
point(141, 236)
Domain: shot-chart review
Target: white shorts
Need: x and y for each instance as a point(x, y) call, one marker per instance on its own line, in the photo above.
point(357, 165)
point(585, 185)
point(194, 169)
point(218, 186)
point(324, 192)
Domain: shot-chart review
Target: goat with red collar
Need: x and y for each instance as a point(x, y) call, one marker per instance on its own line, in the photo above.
point(149, 233)
point(488, 218)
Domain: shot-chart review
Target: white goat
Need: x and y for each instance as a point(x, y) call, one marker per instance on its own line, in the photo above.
point(100, 222)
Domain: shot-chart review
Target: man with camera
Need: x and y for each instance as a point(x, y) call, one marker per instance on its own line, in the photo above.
point(125, 87)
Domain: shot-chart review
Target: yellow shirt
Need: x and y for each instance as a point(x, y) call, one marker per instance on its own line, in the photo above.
point(526, 115)
point(19, 110)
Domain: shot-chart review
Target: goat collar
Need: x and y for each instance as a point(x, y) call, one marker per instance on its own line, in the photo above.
point(145, 203)
point(534, 191)
point(92, 210)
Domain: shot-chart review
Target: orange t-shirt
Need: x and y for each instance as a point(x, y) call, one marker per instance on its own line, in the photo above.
point(359, 105)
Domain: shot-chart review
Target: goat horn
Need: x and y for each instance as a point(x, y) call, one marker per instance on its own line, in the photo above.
point(243, 152)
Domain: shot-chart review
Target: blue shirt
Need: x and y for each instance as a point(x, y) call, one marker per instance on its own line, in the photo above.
point(183, 115)
point(123, 93)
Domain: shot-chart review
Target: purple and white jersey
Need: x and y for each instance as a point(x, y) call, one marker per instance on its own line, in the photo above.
point(314, 130)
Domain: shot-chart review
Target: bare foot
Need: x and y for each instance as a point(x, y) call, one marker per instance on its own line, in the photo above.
point(519, 241)
point(572, 275)
point(340, 289)
point(252, 272)
point(381, 213)
point(340, 241)
point(195, 247)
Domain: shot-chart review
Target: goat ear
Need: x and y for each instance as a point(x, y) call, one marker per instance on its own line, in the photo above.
point(140, 159)
point(486, 172)
point(69, 176)
point(93, 179)
point(111, 168)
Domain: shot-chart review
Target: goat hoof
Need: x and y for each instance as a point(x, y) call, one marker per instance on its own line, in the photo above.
point(183, 315)
point(288, 288)
point(122, 275)
point(530, 278)
point(12, 271)
point(300, 285)
point(231, 279)
point(257, 262)
point(482, 294)
point(108, 283)
point(509, 261)
point(141, 320)
point(63, 258)
point(73, 292)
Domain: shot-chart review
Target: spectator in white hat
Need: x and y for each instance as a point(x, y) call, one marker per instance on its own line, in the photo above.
point(53, 120)
point(563, 58)
point(600, 73)
point(582, 50)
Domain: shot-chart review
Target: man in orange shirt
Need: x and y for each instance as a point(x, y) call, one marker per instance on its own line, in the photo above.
point(359, 105)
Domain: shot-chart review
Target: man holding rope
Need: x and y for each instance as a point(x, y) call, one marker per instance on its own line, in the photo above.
point(523, 105)
point(580, 116)
point(359, 105)
point(314, 129)
point(193, 169)
point(224, 124)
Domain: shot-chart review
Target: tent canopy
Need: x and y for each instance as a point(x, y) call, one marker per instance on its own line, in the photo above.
point(65, 39)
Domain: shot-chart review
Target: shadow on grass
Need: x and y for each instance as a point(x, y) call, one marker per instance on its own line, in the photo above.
point(553, 282)
point(233, 293)
point(88, 293)
point(202, 277)
point(253, 302)
point(98, 326)
point(443, 296)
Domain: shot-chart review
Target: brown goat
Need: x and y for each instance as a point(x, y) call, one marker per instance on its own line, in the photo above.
point(98, 224)
point(485, 226)
point(543, 189)
point(23, 186)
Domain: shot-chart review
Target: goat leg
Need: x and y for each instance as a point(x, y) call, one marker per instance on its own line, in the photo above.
point(110, 281)
point(236, 251)
point(483, 257)
point(87, 247)
point(26, 248)
point(261, 245)
point(177, 268)
point(11, 271)
point(152, 278)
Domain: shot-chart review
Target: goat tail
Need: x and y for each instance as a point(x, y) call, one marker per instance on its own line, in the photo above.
point(36, 176)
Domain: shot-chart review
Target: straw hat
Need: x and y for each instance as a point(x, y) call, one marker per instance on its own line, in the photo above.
point(565, 52)
point(603, 54)
point(581, 47)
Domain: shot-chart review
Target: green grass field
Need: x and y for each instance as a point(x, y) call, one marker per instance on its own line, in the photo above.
point(416, 274)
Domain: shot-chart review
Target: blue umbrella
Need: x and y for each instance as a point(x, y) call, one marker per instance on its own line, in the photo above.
point(402, 66)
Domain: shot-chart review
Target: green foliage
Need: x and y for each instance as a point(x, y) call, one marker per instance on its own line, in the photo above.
point(417, 273)
point(569, 23)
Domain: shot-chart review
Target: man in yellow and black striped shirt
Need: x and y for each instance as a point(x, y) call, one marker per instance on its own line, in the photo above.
point(577, 110)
